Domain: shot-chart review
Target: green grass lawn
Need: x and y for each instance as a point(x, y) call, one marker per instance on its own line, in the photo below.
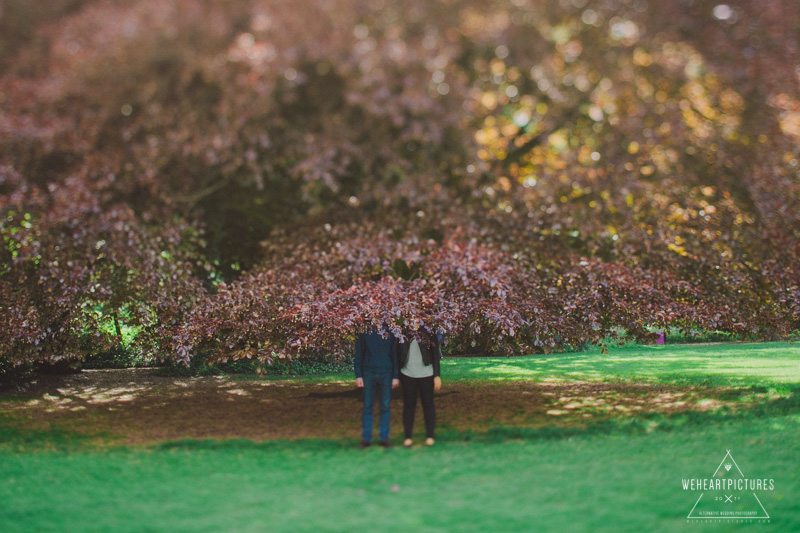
point(723, 364)
point(714, 363)
point(584, 483)
point(623, 476)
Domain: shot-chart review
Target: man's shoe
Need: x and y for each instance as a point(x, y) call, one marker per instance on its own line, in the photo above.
point(385, 444)
point(365, 444)
point(429, 441)
point(407, 443)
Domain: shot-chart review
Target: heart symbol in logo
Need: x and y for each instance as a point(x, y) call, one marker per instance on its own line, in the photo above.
point(727, 466)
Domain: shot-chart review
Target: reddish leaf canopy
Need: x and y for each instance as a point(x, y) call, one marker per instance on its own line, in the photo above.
point(265, 179)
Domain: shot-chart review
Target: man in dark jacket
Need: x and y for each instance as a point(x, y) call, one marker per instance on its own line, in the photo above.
point(376, 369)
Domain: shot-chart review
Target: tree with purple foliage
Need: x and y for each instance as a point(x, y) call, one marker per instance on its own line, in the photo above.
point(265, 180)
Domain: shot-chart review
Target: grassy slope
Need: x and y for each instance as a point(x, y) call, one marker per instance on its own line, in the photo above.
point(622, 480)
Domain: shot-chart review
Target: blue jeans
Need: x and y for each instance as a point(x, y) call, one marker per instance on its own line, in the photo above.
point(380, 383)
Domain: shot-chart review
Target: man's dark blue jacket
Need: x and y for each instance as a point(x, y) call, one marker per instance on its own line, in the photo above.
point(376, 354)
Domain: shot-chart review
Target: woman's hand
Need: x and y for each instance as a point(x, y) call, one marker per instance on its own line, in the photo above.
point(437, 383)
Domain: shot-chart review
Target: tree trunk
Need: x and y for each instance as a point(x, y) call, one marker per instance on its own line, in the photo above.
point(117, 327)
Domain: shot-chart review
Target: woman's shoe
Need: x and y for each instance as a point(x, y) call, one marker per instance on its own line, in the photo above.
point(407, 443)
point(429, 442)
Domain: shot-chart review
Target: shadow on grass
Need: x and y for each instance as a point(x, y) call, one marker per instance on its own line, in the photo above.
point(16, 440)
point(644, 423)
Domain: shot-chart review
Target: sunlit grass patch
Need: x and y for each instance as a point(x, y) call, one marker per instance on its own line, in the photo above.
point(729, 363)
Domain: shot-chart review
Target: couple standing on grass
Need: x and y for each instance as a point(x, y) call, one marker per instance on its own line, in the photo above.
point(381, 364)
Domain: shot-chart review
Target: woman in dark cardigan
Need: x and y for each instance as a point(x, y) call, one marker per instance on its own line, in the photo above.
point(419, 376)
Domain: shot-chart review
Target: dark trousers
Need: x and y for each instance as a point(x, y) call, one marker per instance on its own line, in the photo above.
point(424, 388)
point(376, 384)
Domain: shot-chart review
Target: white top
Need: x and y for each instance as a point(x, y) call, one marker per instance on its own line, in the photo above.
point(415, 366)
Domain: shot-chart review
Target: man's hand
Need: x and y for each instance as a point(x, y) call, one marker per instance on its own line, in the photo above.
point(360, 382)
point(395, 383)
point(437, 383)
